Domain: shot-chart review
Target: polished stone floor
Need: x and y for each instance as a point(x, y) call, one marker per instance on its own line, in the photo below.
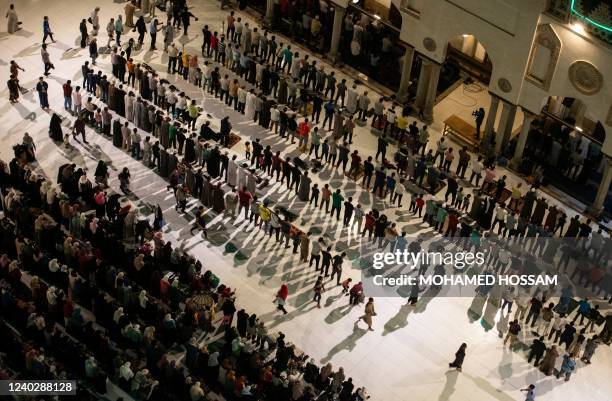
point(405, 357)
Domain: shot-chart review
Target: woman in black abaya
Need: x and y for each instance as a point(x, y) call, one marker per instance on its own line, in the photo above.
point(55, 128)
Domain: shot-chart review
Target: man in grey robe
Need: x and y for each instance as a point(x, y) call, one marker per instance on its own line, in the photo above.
point(304, 188)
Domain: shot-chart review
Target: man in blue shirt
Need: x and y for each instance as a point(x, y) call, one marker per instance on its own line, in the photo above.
point(329, 113)
point(47, 30)
point(584, 307)
point(153, 28)
point(41, 88)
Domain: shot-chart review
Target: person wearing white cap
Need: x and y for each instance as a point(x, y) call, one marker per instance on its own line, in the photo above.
point(195, 392)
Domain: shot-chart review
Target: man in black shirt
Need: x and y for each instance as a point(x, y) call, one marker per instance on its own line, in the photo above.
point(451, 189)
point(317, 104)
point(296, 174)
point(348, 211)
point(326, 260)
point(382, 147)
point(534, 311)
point(287, 168)
point(257, 149)
point(206, 132)
point(368, 170)
point(537, 351)
point(337, 267)
point(206, 44)
point(292, 127)
point(286, 230)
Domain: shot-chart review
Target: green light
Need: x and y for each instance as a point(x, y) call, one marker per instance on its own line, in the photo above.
point(590, 21)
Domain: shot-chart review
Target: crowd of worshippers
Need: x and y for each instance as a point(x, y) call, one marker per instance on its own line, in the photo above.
point(561, 149)
point(488, 209)
point(551, 327)
point(67, 257)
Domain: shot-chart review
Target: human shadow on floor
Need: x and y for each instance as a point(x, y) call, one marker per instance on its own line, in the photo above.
point(505, 365)
point(484, 385)
point(347, 344)
point(474, 312)
point(338, 313)
point(425, 299)
point(28, 51)
point(449, 385)
point(332, 298)
point(279, 319)
point(71, 54)
point(400, 320)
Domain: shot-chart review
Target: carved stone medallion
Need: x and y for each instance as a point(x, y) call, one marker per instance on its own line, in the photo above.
point(585, 77)
point(429, 44)
point(504, 85)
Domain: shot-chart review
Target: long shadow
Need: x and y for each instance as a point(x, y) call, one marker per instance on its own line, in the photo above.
point(347, 344)
point(338, 313)
point(331, 299)
point(399, 321)
point(505, 365)
point(484, 385)
point(291, 315)
point(449, 385)
point(28, 51)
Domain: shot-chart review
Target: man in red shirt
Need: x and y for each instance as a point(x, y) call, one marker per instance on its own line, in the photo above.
point(453, 221)
point(369, 225)
point(67, 88)
point(244, 201)
point(303, 131)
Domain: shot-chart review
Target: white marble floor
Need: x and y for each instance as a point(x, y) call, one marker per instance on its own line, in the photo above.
point(404, 358)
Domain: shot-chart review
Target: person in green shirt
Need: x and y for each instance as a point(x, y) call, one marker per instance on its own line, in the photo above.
point(337, 200)
point(441, 217)
point(172, 135)
point(205, 154)
point(429, 210)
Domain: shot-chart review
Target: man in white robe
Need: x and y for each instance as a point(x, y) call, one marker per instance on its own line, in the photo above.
point(242, 175)
point(249, 109)
point(351, 99)
point(129, 107)
point(232, 172)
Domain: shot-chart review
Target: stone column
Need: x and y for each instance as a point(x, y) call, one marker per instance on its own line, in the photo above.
point(522, 139)
point(337, 30)
point(269, 12)
point(432, 91)
point(491, 117)
point(604, 186)
point(421, 92)
point(402, 92)
point(506, 122)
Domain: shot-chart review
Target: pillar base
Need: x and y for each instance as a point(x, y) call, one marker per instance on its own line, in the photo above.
point(333, 57)
point(402, 97)
point(594, 212)
point(515, 164)
point(426, 116)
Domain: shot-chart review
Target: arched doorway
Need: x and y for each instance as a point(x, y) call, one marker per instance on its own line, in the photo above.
point(467, 57)
point(462, 81)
